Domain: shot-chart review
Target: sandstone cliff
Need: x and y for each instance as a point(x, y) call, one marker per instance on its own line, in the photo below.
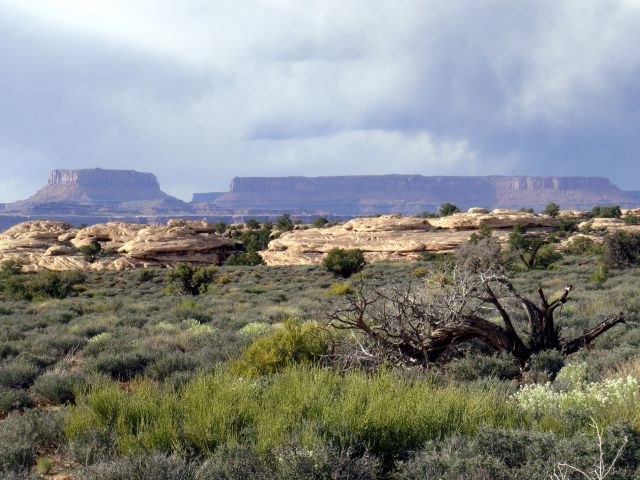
point(412, 194)
point(97, 190)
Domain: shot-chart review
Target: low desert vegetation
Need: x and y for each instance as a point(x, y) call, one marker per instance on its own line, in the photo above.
point(468, 366)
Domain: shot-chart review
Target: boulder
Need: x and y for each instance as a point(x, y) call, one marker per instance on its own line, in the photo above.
point(477, 210)
point(41, 245)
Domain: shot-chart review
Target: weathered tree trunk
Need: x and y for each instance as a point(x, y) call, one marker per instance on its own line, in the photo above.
point(420, 336)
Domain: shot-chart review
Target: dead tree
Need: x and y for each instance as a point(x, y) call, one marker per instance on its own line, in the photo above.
point(418, 325)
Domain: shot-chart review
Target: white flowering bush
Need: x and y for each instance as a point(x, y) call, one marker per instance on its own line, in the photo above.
point(572, 396)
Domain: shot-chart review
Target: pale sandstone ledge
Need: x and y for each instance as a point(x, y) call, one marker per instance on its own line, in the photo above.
point(45, 245)
point(48, 245)
point(392, 237)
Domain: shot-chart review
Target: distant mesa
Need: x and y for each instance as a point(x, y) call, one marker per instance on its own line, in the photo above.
point(99, 190)
point(98, 195)
point(99, 185)
point(412, 194)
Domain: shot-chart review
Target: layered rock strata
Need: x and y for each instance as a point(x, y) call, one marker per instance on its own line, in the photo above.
point(49, 245)
point(392, 237)
point(412, 194)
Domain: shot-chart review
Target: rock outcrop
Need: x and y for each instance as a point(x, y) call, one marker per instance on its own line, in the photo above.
point(54, 245)
point(393, 237)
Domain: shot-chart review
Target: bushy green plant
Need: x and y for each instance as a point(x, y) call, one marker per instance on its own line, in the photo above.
point(344, 262)
point(630, 219)
point(44, 465)
point(384, 412)
point(320, 222)
point(600, 275)
point(612, 211)
point(220, 227)
point(44, 284)
point(284, 223)
point(606, 402)
point(343, 288)
point(252, 224)
point(23, 435)
point(165, 366)
point(473, 367)
point(447, 209)
point(547, 361)
point(582, 245)
point(90, 252)
point(58, 386)
point(234, 462)
point(322, 462)
point(191, 280)
point(621, 249)
point(295, 343)
point(10, 267)
point(13, 399)
point(18, 374)
point(146, 467)
point(244, 259)
point(552, 209)
point(121, 365)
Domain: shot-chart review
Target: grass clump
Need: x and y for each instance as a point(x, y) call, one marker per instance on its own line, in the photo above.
point(384, 413)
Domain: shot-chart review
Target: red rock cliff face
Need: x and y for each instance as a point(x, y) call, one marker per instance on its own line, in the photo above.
point(98, 185)
point(415, 193)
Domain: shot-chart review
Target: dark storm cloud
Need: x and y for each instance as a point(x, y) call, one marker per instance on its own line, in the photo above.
point(199, 92)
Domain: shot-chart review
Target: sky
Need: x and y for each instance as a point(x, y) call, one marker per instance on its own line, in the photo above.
point(199, 92)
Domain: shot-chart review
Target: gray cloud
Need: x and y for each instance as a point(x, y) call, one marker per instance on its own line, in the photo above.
point(199, 92)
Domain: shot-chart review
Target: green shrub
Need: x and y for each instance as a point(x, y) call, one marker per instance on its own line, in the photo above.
point(384, 413)
point(606, 212)
point(552, 209)
point(547, 361)
point(10, 267)
point(600, 275)
point(13, 399)
point(344, 262)
point(252, 224)
point(237, 462)
point(22, 436)
point(338, 289)
point(320, 222)
point(58, 386)
point(121, 366)
point(220, 227)
point(322, 462)
point(170, 363)
point(621, 249)
point(146, 275)
point(474, 367)
point(606, 402)
point(630, 219)
point(18, 374)
point(147, 467)
point(245, 259)
point(447, 209)
point(296, 343)
point(42, 285)
point(90, 252)
point(583, 246)
point(190, 280)
point(547, 256)
point(284, 223)
point(44, 465)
